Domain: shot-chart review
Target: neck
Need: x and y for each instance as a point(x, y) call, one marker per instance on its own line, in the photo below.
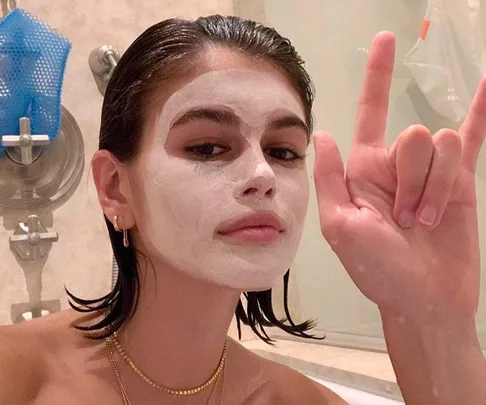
point(177, 334)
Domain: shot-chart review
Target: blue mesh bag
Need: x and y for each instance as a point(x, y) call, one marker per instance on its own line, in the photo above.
point(32, 62)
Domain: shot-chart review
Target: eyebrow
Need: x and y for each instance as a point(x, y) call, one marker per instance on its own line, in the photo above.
point(289, 121)
point(219, 116)
point(229, 118)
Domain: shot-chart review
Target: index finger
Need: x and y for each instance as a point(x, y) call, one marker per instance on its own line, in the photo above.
point(473, 130)
point(374, 99)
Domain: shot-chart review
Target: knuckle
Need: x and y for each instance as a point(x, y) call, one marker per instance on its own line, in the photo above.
point(447, 138)
point(419, 130)
point(414, 190)
point(440, 186)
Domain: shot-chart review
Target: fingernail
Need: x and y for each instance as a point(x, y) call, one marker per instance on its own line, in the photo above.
point(406, 219)
point(427, 217)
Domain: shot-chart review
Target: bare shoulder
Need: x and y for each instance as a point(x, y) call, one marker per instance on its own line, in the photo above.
point(21, 365)
point(24, 353)
point(283, 385)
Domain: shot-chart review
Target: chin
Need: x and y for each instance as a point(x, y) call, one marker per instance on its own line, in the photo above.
point(252, 284)
point(258, 289)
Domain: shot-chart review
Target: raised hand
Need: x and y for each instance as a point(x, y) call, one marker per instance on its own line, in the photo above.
point(403, 221)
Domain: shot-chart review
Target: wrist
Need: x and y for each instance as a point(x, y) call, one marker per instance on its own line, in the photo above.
point(434, 332)
point(429, 319)
point(437, 360)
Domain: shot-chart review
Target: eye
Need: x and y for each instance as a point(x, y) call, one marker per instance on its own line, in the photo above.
point(206, 150)
point(286, 154)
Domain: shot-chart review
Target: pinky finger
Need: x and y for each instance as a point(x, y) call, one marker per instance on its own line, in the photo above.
point(441, 178)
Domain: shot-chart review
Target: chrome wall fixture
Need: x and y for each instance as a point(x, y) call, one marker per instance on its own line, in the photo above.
point(102, 62)
point(31, 240)
point(25, 147)
point(37, 172)
point(31, 243)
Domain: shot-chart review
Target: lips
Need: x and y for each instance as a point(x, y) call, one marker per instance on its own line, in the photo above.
point(267, 219)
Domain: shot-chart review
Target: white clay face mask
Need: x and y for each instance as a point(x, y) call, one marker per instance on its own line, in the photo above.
point(187, 199)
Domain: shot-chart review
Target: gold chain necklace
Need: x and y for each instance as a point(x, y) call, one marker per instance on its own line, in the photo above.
point(214, 388)
point(126, 401)
point(169, 391)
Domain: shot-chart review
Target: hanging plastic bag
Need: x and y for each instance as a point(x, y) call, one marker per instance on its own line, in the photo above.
point(448, 59)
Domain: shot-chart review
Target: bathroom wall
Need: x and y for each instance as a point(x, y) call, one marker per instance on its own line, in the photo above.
point(333, 37)
point(81, 259)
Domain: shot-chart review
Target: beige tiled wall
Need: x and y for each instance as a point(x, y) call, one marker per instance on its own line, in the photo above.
point(81, 259)
point(251, 9)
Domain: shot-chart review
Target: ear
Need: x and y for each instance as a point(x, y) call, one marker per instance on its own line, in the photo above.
point(111, 182)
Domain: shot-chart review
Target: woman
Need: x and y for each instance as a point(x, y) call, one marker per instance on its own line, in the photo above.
point(202, 179)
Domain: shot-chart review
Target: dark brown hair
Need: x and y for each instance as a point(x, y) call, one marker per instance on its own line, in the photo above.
point(167, 50)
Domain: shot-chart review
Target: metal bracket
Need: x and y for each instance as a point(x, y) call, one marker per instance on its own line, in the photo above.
point(29, 239)
point(26, 142)
point(103, 61)
point(21, 312)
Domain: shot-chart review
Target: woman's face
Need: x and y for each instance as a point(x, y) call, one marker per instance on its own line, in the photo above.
point(226, 142)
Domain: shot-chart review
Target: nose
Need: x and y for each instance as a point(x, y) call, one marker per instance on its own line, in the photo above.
point(259, 182)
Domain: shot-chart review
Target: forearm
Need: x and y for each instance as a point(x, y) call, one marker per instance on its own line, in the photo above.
point(436, 363)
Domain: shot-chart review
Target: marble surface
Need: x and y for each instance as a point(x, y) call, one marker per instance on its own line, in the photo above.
point(367, 371)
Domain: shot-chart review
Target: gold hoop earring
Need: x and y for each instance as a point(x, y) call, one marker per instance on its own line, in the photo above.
point(126, 243)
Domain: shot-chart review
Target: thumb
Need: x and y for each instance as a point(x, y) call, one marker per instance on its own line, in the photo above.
point(329, 178)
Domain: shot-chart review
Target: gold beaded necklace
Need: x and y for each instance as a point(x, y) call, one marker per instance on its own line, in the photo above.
point(126, 401)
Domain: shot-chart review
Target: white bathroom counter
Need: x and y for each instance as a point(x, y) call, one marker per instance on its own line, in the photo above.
point(364, 370)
